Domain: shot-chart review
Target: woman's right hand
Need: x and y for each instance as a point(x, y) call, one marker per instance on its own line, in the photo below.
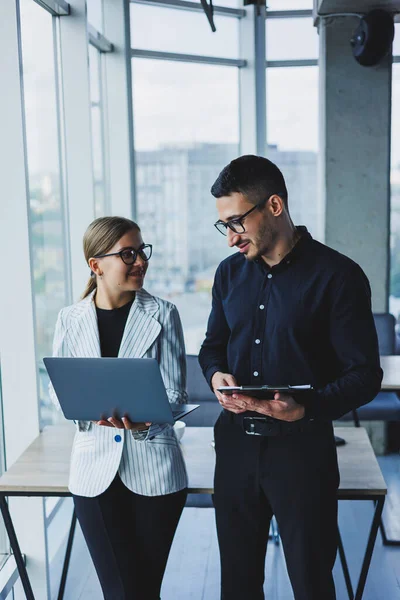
point(125, 423)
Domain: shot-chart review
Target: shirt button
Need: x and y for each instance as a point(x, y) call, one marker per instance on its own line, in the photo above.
point(261, 306)
point(117, 438)
point(255, 373)
point(269, 276)
point(258, 341)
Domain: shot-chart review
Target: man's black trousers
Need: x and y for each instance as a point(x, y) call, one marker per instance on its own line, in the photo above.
point(294, 477)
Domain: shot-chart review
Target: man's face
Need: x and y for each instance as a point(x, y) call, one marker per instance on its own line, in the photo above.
point(260, 229)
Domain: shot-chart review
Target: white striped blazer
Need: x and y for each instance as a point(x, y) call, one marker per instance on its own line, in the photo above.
point(151, 467)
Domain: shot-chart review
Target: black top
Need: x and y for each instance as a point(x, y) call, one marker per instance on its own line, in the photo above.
point(307, 320)
point(111, 328)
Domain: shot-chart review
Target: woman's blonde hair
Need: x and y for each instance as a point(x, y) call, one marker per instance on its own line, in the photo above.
point(101, 235)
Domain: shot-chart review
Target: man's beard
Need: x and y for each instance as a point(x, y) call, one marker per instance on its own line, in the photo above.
point(264, 241)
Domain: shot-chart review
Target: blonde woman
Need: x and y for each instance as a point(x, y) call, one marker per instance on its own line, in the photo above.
point(128, 480)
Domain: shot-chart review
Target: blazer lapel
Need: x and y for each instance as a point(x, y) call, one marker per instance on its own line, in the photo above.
point(84, 331)
point(142, 327)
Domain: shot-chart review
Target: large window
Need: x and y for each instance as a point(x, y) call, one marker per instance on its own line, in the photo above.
point(186, 126)
point(292, 132)
point(45, 197)
point(292, 114)
point(291, 39)
point(169, 30)
point(181, 145)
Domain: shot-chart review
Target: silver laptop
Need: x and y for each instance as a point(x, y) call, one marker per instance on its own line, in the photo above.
point(91, 389)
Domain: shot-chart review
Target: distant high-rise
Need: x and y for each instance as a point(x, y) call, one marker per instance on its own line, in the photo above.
point(176, 210)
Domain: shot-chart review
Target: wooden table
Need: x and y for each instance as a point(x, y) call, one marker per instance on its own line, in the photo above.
point(42, 470)
point(390, 383)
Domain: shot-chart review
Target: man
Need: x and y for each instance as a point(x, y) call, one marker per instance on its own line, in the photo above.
point(286, 310)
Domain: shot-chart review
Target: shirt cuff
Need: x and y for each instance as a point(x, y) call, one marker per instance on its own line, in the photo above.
point(209, 375)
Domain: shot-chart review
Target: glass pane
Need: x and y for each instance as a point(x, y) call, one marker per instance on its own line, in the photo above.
point(394, 298)
point(396, 41)
point(291, 39)
point(46, 211)
point(292, 127)
point(169, 30)
point(182, 143)
point(95, 14)
point(289, 4)
point(97, 131)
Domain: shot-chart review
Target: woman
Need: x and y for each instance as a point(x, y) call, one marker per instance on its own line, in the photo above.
point(128, 480)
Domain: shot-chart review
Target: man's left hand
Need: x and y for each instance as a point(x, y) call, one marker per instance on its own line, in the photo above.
point(282, 407)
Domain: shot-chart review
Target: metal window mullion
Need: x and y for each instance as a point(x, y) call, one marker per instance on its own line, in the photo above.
point(193, 7)
point(194, 58)
point(57, 8)
point(62, 161)
point(104, 134)
point(288, 14)
point(77, 128)
point(119, 110)
point(272, 64)
point(252, 82)
point(98, 40)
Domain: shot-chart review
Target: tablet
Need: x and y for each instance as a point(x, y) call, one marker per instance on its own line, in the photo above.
point(264, 392)
point(90, 389)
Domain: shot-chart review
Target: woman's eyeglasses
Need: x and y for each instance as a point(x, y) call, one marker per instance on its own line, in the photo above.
point(129, 255)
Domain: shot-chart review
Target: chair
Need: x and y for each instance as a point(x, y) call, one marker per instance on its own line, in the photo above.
point(386, 405)
point(200, 393)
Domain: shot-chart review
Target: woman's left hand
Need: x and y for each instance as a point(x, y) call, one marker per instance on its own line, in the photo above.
point(124, 423)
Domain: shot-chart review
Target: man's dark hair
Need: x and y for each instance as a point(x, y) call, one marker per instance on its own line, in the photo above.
point(255, 177)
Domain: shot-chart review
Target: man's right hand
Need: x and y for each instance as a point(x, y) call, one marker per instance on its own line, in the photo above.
point(220, 379)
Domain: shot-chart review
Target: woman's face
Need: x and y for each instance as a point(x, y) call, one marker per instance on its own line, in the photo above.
point(116, 275)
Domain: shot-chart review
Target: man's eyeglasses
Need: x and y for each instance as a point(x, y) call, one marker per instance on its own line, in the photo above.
point(129, 255)
point(235, 225)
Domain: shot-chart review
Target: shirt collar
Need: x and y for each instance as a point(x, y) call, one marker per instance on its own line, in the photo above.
point(298, 250)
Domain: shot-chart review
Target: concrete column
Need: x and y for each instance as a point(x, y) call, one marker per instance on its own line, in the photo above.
point(355, 115)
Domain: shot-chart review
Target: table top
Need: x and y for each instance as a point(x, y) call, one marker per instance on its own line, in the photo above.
point(391, 373)
point(43, 468)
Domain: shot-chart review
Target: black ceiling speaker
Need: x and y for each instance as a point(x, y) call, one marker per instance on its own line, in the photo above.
point(373, 38)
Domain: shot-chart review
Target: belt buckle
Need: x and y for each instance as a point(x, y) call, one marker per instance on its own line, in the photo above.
point(252, 424)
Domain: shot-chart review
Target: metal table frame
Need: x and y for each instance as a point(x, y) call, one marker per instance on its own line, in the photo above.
point(379, 503)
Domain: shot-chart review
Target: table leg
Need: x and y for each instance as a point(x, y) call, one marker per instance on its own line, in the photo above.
point(345, 567)
point(16, 549)
point(370, 547)
point(67, 557)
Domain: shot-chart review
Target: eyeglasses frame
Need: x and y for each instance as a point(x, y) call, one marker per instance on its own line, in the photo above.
point(135, 254)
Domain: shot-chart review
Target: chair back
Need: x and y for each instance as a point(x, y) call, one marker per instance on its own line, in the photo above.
point(385, 328)
point(200, 393)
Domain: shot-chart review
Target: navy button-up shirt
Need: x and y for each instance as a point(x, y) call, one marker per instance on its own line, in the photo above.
point(307, 320)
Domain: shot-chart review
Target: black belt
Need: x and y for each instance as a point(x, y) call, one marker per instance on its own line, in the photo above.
point(272, 427)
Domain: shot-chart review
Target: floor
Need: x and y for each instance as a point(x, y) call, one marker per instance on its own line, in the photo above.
point(193, 567)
